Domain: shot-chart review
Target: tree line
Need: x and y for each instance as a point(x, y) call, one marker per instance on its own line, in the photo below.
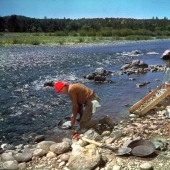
point(87, 26)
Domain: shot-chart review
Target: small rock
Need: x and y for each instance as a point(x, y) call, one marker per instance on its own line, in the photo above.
point(116, 167)
point(39, 152)
point(133, 115)
point(65, 157)
point(39, 138)
point(22, 166)
point(51, 155)
point(45, 145)
point(105, 133)
point(109, 141)
point(146, 166)
point(153, 127)
point(61, 164)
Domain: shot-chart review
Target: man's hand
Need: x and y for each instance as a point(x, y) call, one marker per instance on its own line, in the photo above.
point(73, 119)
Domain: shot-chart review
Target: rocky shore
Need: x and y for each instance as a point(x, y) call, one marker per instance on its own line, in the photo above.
point(76, 154)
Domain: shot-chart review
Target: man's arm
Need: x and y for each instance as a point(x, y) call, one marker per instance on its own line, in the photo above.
point(75, 107)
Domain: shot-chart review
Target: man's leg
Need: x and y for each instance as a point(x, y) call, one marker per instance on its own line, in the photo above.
point(86, 121)
point(80, 111)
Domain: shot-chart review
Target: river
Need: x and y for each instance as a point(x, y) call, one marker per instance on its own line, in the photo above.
point(28, 109)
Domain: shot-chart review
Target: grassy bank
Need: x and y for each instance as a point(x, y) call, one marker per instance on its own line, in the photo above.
point(47, 38)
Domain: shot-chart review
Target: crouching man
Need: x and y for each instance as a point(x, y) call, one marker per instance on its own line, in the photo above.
point(81, 96)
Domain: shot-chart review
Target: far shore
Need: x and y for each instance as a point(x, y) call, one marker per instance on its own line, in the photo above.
point(8, 39)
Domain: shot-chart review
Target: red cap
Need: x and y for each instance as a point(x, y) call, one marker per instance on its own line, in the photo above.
point(59, 85)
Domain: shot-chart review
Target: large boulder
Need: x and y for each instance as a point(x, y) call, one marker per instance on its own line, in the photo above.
point(166, 55)
point(86, 158)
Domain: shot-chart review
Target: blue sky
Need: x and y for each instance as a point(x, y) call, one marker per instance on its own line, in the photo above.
point(74, 9)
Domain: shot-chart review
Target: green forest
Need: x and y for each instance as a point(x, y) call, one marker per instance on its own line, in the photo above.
point(16, 29)
point(105, 27)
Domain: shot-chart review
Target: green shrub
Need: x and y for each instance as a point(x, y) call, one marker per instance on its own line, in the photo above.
point(61, 42)
point(1, 34)
point(80, 39)
point(16, 41)
point(35, 42)
point(36, 34)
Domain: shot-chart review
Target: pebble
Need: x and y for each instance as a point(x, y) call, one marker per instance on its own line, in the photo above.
point(116, 167)
point(146, 166)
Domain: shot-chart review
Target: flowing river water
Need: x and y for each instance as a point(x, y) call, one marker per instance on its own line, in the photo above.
point(28, 109)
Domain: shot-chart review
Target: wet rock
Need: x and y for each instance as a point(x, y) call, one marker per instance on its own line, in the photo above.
point(135, 63)
point(90, 76)
point(142, 84)
point(131, 79)
point(142, 64)
point(19, 147)
point(99, 78)
point(39, 138)
point(6, 146)
point(99, 75)
point(125, 66)
point(49, 83)
point(99, 71)
point(166, 55)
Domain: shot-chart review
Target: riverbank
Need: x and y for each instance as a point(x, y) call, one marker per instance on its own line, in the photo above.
point(73, 154)
point(7, 39)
